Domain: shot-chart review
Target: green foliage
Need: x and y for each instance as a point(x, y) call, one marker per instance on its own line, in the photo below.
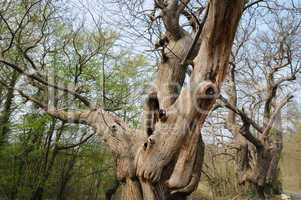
point(44, 158)
point(76, 173)
point(90, 177)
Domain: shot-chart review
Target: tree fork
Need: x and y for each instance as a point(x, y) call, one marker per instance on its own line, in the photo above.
point(173, 156)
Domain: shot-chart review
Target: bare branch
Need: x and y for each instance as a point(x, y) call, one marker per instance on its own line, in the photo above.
point(41, 80)
point(241, 113)
point(197, 35)
point(245, 131)
point(274, 115)
point(75, 145)
point(183, 5)
point(252, 4)
point(291, 77)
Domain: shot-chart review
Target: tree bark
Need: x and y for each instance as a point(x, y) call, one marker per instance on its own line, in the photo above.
point(5, 114)
point(171, 159)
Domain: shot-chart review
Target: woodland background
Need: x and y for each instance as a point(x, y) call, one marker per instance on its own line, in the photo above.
point(105, 51)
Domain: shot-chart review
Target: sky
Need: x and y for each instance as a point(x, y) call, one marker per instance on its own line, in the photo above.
point(133, 32)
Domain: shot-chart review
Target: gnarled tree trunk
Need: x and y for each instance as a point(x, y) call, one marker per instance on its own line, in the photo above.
point(258, 156)
point(168, 162)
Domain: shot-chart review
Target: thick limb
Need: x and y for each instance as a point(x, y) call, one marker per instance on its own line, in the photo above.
point(210, 67)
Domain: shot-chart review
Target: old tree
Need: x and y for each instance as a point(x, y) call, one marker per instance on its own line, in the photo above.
point(163, 159)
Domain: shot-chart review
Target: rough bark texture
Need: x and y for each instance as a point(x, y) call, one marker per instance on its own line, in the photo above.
point(171, 159)
point(257, 158)
point(5, 114)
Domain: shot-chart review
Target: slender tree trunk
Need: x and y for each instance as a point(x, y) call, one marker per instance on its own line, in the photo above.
point(5, 114)
point(260, 193)
point(48, 166)
point(65, 178)
point(243, 156)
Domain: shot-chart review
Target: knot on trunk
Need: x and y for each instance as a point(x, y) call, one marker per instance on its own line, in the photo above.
point(203, 95)
point(162, 115)
point(149, 143)
point(206, 90)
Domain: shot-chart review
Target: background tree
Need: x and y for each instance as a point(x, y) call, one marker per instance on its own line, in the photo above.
point(264, 67)
point(42, 157)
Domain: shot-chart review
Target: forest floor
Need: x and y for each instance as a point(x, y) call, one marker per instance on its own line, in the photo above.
point(203, 193)
point(294, 195)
